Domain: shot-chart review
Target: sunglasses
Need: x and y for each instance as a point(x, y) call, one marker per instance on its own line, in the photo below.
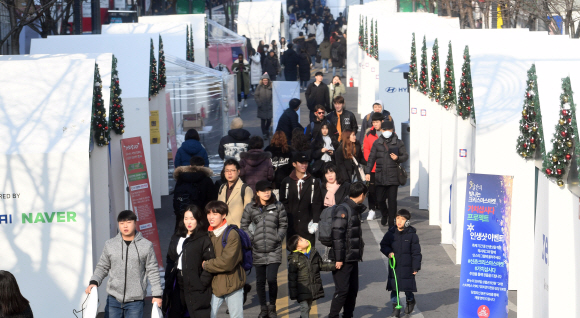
point(321, 113)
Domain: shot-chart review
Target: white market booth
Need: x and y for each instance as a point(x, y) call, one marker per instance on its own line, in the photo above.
point(259, 21)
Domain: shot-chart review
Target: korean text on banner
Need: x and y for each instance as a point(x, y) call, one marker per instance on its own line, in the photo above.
point(483, 288)
point(154, 127)
point(140, 192)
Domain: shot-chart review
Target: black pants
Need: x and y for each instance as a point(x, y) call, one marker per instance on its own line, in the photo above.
point(372, 195)
point(389, 193)
point(345, 290)
point(266, 126)
point(267, 273)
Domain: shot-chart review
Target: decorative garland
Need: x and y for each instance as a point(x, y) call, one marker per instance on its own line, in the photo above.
point(117, 118)
point(531, 130)
point(435, 89)
point(153, 82)
point(99, 123)
point(424, 76)
point(361, 32)
point(465, 102)
point(557, 161)
point(372, 44)
point(162, 75)
point(376, 42)
point(191, 48)
point(449, 81)
point(412, 77)
point(188, 46)
point(365, 43)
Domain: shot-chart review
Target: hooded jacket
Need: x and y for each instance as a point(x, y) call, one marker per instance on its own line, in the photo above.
point(369, 140)
point(386, 172)
point(341, 51)
point(233, 144)
point(194, 186)
point(281, 164)
point(325, 50)
point(188, 149)
point(263, 98)
point(287, 122)
point(290, 62)
point(319, 33)
point(405, 245)
point(304, 279)
point(270, 224)
point(347, 240)
point(367, 123)
point(310, 46)
point(255, 68)
point(256, 165)
point(301, 207)
point(335, 91)
point(128, 268)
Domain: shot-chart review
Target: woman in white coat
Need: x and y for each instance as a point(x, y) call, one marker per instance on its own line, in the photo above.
point(255, 69)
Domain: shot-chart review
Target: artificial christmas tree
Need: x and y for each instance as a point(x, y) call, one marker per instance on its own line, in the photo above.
point(435, 88)
point(412, 78)
point(365, 40)
point(557, 161)
point(361, 32)
point(189, 53)
point(191, 48)
point(162, 70)
point(448, 93)
point(371, 51)
point(117, 118)
point(153, 81)
point(99, 123)
point(423, 76)
point(531, 138)
point(376, 56)
point(465, 99)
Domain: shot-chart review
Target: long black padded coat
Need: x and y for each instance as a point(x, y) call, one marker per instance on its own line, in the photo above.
point(387, 170)
point(405, 245)
point(347, 241)
point(269, 229)
point(304, 275)
point(197, 282)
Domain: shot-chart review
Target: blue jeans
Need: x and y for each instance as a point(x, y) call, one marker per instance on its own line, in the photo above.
point(313, 59)
point(334, 71)
point(409, 296)
point(116, 309)
point(325, 63)
point(235, 302)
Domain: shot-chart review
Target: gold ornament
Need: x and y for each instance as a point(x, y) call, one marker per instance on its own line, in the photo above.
point(524, 154)
point(534, 129)
point(532, 103)
point(562, 121)
point(554, 158)
point(560, 183)
point(101, 137)
point(99, 112)
point(123, 131)
point(524, 112)
point(105, 115)
point(565, 99)
point(569, 144)
point(533, 146)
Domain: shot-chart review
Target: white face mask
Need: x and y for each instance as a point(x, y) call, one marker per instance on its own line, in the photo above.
point(387, 134)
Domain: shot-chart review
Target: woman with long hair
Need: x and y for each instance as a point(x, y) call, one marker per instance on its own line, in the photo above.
point(187, 285)
point(281, 156)
point(334, 188)
point(12, 303)
point(268, 221)
point(323, 147)
point(347, 153)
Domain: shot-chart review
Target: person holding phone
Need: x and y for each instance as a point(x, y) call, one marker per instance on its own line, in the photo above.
point(387, 152)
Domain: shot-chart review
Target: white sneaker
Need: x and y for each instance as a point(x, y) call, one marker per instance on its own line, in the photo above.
point(371, 215)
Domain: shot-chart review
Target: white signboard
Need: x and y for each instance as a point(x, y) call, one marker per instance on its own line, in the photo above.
point(282, 93)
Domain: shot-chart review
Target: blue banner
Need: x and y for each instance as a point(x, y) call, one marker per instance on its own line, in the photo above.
point(483, 288)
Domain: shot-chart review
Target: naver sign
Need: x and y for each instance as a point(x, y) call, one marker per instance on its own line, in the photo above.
point(42, 217)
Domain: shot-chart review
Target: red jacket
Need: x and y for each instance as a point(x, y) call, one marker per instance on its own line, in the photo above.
point(370, 138)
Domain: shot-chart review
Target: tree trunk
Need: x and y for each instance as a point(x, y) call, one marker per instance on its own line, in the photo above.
point(461, 14)
point(448, 4)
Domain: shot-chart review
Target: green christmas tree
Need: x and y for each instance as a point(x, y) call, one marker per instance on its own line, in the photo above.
point(376, 42)
point(557, 161)
point(162, 70)
point(531, 131)
point(365, 41)
point(424, 76)
point(188, 44)
point(117, 115)
point(372, 41)
point(361, 32)
point(435, 89)
point(99, 123)
point(449, 96)
point(191, 48)
point(412, 77)
point(206, 36)
point(153, 81)
point(465, 100)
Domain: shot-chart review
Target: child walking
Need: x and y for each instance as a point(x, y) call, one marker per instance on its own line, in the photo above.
point(402, 242)
point(304, 266)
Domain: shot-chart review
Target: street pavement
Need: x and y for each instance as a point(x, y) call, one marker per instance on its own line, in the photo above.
point(437, 282)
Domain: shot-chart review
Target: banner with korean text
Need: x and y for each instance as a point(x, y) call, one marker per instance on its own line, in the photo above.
point(483, 288)
point(140, 192)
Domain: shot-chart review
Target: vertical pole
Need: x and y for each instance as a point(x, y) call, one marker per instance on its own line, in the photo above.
point(77, 17)
point(96, 16)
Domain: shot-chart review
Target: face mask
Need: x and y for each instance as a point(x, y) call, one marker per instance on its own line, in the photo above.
point(387, 134)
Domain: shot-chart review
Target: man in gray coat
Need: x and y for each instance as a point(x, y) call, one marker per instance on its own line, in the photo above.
point(129, 260)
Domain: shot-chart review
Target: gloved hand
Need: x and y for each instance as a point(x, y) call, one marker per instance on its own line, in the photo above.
point(312, 227)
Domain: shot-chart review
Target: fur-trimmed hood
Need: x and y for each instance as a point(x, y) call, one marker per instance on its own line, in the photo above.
point(192, 173)
point(255, 157)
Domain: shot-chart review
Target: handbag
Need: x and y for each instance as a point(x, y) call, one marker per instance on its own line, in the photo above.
point(360, 171)
point(401, 172)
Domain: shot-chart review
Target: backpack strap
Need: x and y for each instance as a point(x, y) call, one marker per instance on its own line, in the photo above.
point(222, 187)
point(227, 234)
point(243, 193)
point(368, 116)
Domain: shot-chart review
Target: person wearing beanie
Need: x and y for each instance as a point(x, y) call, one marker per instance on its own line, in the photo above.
point(387, 152)
point(317, 94)
point(263, 98)
point(235, 142)
point(289, 119)
point(367, 122)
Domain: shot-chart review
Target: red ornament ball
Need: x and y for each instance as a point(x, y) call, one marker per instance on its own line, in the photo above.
point(563, 134)
point(559, 171)
point(564, 112)
point(548, 171)
point(568, 156)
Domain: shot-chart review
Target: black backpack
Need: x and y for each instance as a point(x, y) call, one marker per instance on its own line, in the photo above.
point(334, 52)
point(185, 194)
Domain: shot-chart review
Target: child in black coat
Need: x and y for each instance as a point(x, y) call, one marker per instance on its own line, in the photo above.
point(402, 242)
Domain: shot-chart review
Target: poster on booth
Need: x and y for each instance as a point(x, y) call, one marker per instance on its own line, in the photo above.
point(483, 288)
point(140, 192)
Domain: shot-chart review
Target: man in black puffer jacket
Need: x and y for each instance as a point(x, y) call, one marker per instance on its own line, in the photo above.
point(235, 142)
point(387, 152)
point(347, 250)
point(289, 119)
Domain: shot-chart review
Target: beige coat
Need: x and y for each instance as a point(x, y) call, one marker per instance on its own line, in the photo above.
point(235, 205)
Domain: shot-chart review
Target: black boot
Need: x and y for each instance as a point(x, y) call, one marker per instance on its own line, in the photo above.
point(410, 307)
point(272, 311)
point(247, 288)
point(396, 312)
point(263, 312)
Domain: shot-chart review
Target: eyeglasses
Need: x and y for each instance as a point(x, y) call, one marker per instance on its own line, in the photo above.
point(230, 171)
